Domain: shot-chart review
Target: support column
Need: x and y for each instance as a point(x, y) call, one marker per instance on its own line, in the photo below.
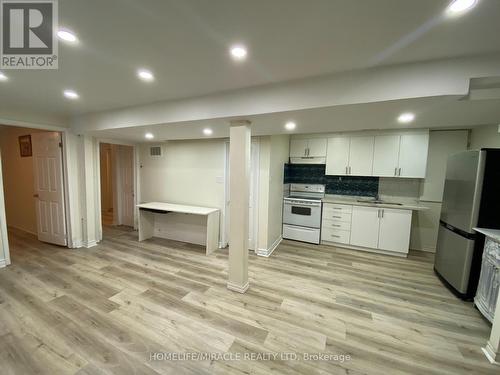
point(239, 192)
point(492, 348)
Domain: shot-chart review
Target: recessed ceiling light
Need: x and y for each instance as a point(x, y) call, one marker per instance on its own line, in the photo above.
point(67, 36)
point(290, 125)
point(145, 75)
point(238, 52)
point(3, 77)
point(149, 136)
point(70, 94)
point(208, 131)
point(405, 118)
point(459, 6)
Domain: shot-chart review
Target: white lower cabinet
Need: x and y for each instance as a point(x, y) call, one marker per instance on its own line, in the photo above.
point(394, 232)
point(384, 229)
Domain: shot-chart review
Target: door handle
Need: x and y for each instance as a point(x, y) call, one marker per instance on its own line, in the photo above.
point(36, 196)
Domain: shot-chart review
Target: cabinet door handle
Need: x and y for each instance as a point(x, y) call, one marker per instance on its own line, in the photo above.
point(336, 225)
point(333, 235)
point(399, 172)
point(346, 170)
point(382, 213)
point(337, 217)
point(396, 171)
point(349, 170)
point(378, 214)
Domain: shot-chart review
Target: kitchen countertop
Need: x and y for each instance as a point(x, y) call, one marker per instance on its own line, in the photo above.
point(339, 199)
point(492, 233)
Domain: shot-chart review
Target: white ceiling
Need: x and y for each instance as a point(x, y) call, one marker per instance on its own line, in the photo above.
point(185, 43)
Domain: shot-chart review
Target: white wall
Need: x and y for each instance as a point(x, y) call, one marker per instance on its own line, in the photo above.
point(274, 151)
point(188, 172)
point(18, 180)
point(485, 136)
point(425, 224)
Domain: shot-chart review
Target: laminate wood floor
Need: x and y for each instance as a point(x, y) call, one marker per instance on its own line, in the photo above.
point(107, 309)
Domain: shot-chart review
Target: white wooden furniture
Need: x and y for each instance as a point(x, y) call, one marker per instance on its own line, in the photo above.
point(148, 211)
point(489, 280)
point(308, 150)
point(385, 230)
point(381, 155)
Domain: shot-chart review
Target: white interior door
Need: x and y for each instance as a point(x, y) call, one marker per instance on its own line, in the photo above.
point(49, 190)
point(126, 185)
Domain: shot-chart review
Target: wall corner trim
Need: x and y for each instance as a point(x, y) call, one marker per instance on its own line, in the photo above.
point(89, 244)
point(238, 288)
point(3, 263)
point(267, 252)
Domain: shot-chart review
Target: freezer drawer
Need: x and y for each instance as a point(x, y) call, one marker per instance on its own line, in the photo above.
point(293, 232)
point(453, 258)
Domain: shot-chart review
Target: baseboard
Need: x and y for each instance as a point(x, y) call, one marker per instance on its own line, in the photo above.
point(22, 229)
point(267, 252)
point(238, 288)
point(426, 249)
point(89, 244)
point(490, 354)
point(367, 249)
point(76, 244)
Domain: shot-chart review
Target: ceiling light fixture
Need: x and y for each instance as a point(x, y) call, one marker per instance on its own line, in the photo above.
point(208, 131)
point(145, 75)
point(405, 118)
point(149, 136)
point(3, 77)
point(459, 6)
point(238, 52)
point(67, 36)
point(71, 94)
point(290, 125)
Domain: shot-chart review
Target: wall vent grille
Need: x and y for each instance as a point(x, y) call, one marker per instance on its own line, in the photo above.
point(155, 151)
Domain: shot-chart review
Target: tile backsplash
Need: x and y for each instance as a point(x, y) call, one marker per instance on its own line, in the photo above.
point(340, 185)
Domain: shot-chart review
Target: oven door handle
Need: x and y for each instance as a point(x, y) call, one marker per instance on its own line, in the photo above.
point(303, 205)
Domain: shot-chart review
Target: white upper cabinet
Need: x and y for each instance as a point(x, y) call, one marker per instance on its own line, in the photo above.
point(386, 155)
point(402, 154)
point(298, 148)
point(413, 155)
point(361, 156)
point(365, 226)
point(316, 147)
point(312, 150)
point(337, 156)
point(394, 232)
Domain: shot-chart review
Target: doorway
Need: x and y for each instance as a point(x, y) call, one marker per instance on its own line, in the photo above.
point(33, 183)
point(117, 185)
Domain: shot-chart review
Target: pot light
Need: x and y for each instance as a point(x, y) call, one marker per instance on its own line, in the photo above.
point(145, 75)
point(149, 136)
point(238, 52)
point(3, 77)
point(405, 118)
point(459, 6)
point(290, 125)
point(67, 36)
point(70, 94)
point(208, 131)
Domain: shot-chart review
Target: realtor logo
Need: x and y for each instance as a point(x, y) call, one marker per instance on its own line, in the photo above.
point(28, 34)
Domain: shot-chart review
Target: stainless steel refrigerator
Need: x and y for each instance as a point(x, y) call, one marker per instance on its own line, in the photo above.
point(471, 199)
